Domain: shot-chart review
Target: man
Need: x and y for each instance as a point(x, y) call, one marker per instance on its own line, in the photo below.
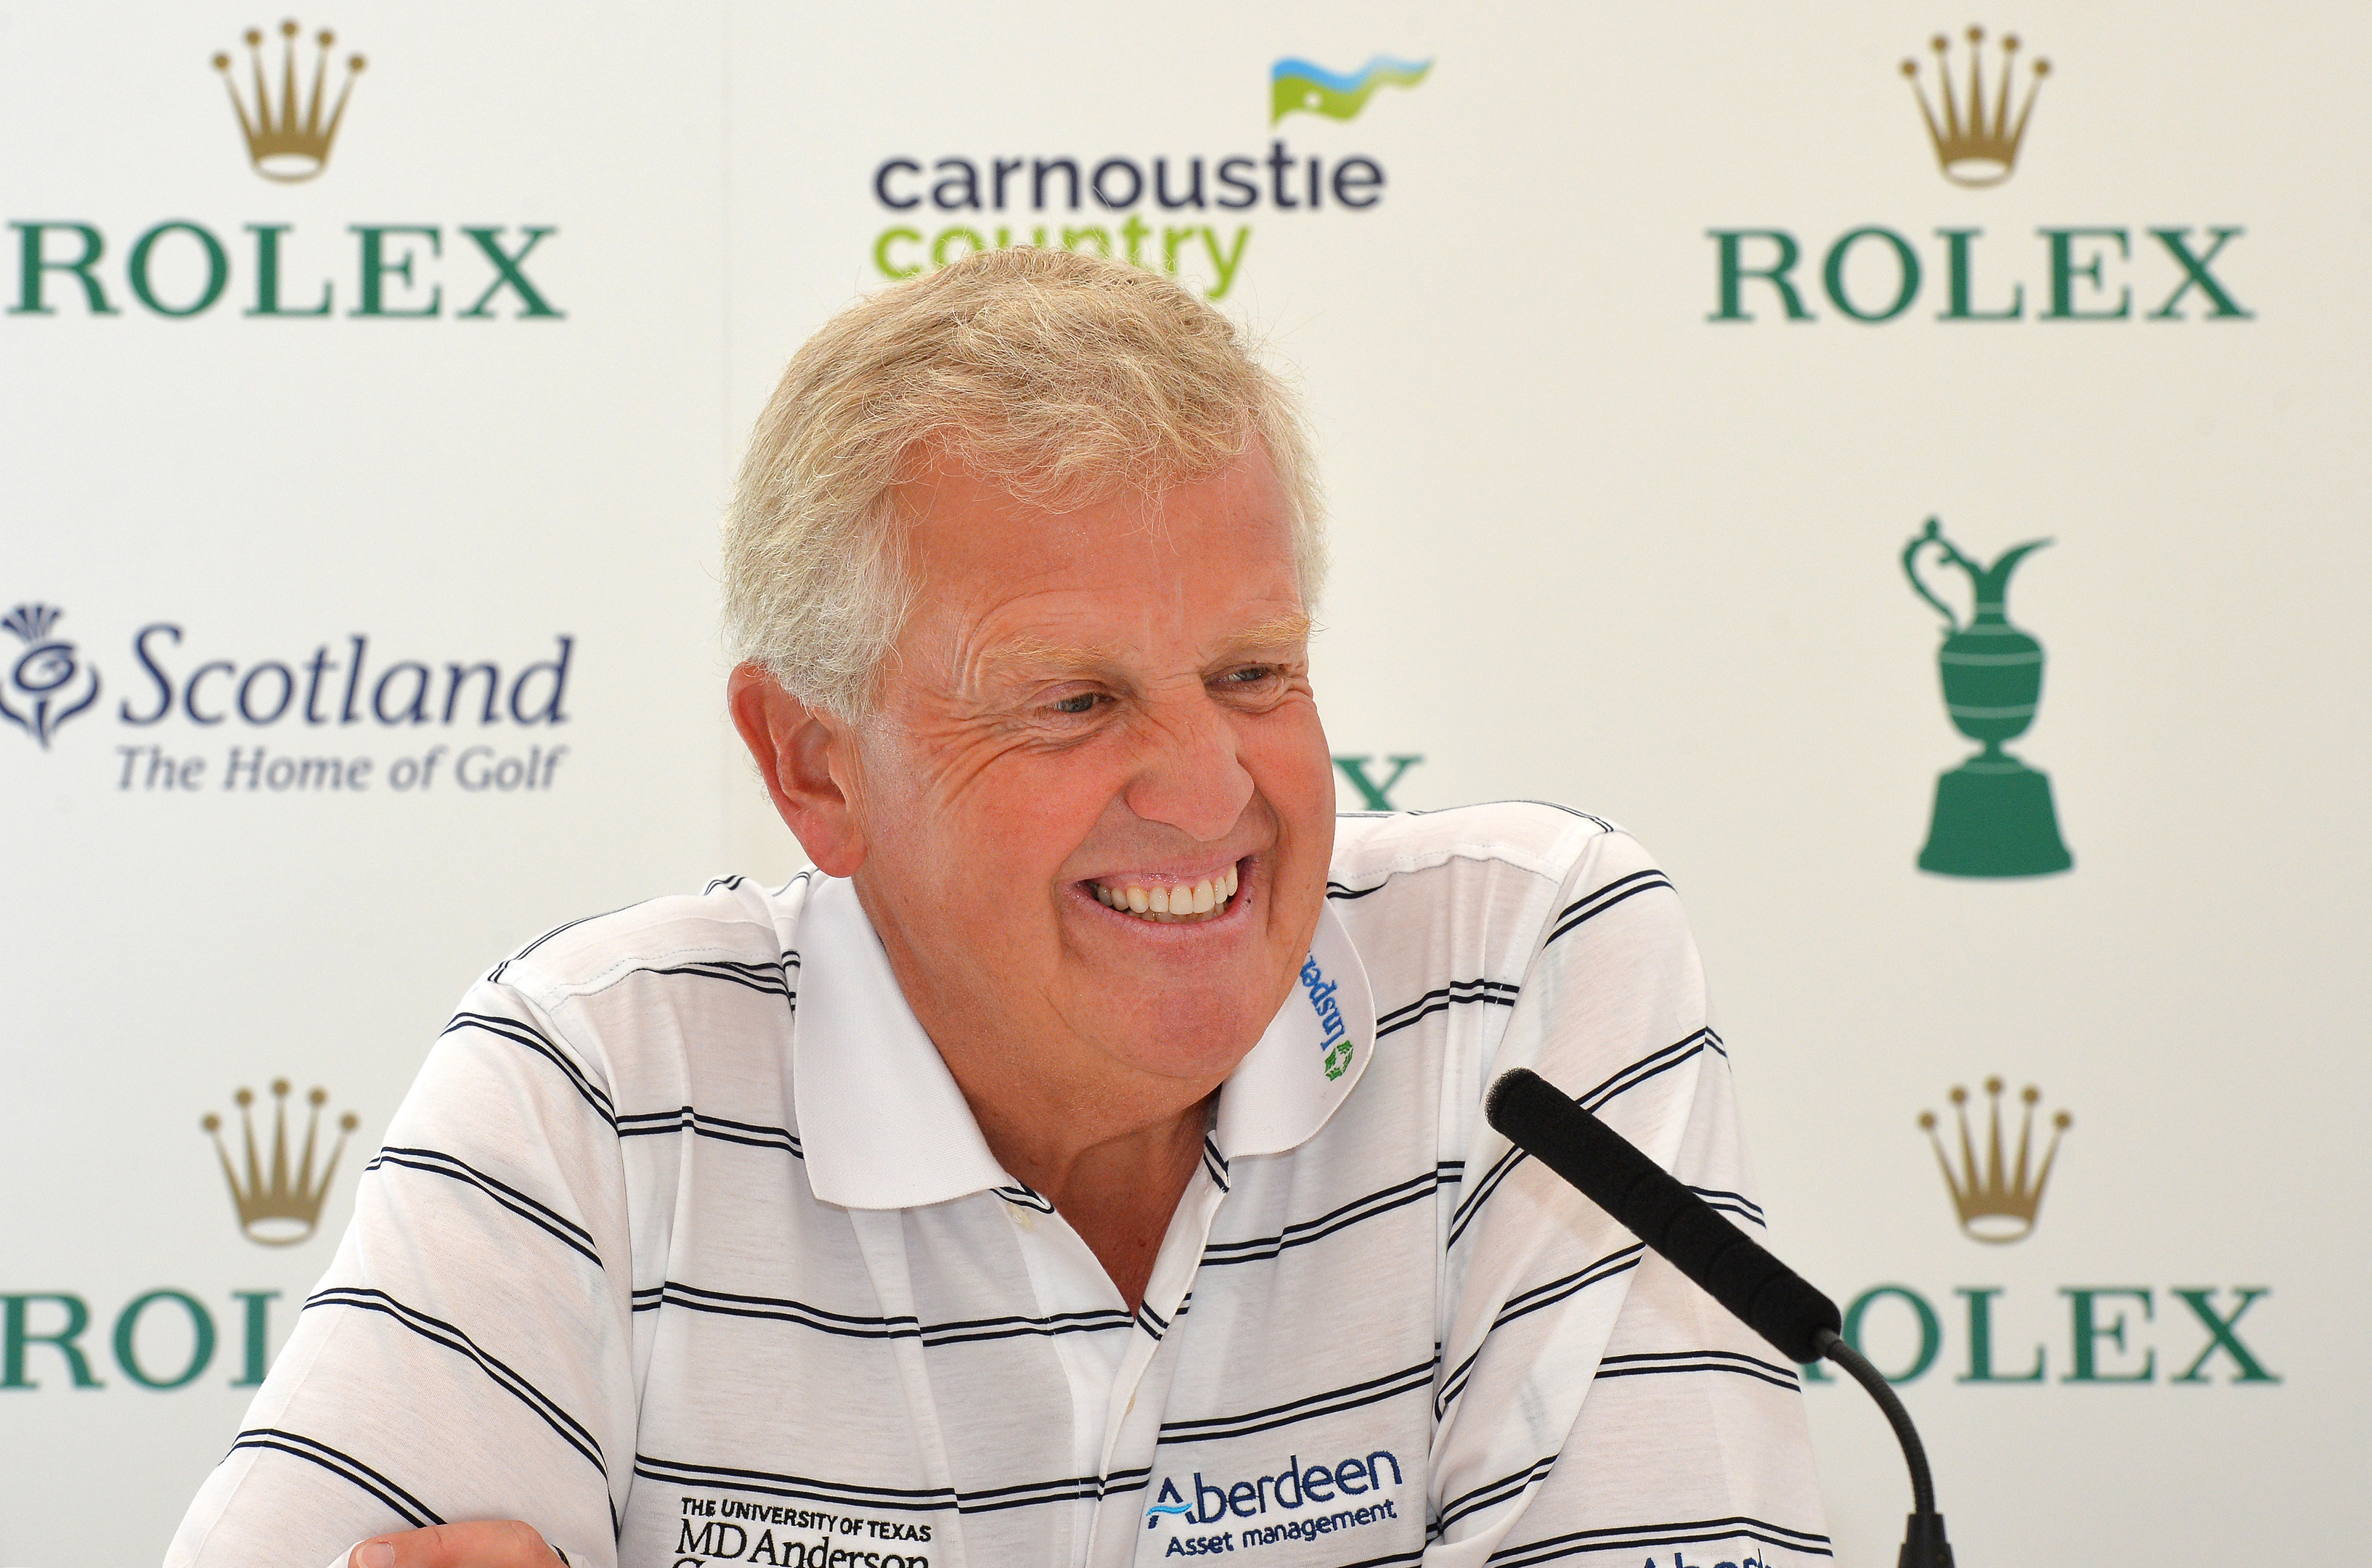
point(1083, 1164)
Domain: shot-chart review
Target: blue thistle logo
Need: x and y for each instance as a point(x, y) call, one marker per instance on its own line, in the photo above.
point(47, 685)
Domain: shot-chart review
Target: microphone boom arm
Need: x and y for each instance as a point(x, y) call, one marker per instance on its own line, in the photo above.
point(1914, 1453)
point(1728, 1265)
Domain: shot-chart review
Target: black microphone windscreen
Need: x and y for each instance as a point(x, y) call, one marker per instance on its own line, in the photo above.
point(1650, 1202)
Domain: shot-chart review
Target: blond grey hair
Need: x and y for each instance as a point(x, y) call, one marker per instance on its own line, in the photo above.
point(1064, 377)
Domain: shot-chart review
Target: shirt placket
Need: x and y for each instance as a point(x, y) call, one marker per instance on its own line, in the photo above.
point(881, 1235)
point(1066, 1280)
point(1140, 1387)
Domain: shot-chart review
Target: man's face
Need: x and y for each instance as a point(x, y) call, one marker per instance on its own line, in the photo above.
point(1103, 706)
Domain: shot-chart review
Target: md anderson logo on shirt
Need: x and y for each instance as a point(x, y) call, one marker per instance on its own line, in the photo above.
point(728, 1529)
point(1327, 1490)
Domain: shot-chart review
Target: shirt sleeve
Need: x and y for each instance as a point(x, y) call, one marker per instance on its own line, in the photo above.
point(469, 1355)
point(1594, 1405)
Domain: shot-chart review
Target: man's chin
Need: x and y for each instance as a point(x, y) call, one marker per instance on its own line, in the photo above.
point(1203, 1067)
point(1196, 1033)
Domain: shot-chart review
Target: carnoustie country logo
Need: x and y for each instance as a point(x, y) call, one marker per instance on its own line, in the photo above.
point(1299, 87)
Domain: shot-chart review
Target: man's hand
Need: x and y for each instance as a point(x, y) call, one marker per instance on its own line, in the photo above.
point(481, 1543)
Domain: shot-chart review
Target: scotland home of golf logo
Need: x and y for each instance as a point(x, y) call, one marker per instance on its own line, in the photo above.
point(1976, 113)
point(295, 724)
point(946, 207)
point(289, 113)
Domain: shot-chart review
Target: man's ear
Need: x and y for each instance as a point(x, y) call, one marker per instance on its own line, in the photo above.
point(806, 757)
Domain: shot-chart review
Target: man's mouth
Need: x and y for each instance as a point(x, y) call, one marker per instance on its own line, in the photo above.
point(1170, 903)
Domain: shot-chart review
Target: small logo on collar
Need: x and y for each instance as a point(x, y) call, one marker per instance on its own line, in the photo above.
point(1337, 1041)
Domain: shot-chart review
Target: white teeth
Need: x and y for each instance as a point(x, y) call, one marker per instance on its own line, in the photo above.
point(1169, 903)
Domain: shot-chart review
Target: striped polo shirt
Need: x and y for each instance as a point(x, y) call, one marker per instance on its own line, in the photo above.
point(686, 1249)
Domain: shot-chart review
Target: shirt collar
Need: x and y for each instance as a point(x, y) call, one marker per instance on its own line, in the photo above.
point(1314, 1051)
point(881, 1122)
point(883, 1125)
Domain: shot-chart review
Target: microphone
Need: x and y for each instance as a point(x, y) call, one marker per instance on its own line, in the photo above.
point(1728, 1265)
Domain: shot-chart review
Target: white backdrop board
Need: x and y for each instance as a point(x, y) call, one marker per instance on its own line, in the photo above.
point(225, 505)
point(1640, 347)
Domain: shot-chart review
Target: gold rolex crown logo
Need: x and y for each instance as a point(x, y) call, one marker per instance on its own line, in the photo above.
point(1976, 143)
point(282, 145)
point(278, 1207)
point(1997, 1200)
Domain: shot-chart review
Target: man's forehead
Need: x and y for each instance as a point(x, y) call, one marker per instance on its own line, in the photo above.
point(1031, 651)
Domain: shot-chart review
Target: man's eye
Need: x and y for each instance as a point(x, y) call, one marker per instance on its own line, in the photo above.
point(1250, 675)
point(1084, 702)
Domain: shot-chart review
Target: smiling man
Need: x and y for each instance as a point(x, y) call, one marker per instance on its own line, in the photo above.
point(1084, 1164)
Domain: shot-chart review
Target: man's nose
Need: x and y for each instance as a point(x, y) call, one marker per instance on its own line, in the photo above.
point(1190, 776)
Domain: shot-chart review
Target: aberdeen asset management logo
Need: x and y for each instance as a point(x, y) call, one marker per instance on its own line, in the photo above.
point(282, 145)
point(1299, 1502)
point(47, 685)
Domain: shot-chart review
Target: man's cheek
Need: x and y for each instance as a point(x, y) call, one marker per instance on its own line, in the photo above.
point(1295, 770)
point(982, 777)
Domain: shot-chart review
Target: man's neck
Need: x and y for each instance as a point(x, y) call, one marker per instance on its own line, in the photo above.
point(1119, 1193)
point(1111, 1146)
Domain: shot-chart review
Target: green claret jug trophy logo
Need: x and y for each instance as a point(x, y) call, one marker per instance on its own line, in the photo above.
point(1993, 815)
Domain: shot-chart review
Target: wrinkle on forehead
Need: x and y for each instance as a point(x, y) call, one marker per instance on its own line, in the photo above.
point(1013, 594)
point(1027, 654)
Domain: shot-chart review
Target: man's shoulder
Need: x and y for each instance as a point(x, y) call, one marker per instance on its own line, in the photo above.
point(731, 930)
point(1532, 838)
point(1483, 885)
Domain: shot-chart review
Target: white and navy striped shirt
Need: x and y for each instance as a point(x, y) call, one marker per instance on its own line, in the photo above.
point(686, 1249)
